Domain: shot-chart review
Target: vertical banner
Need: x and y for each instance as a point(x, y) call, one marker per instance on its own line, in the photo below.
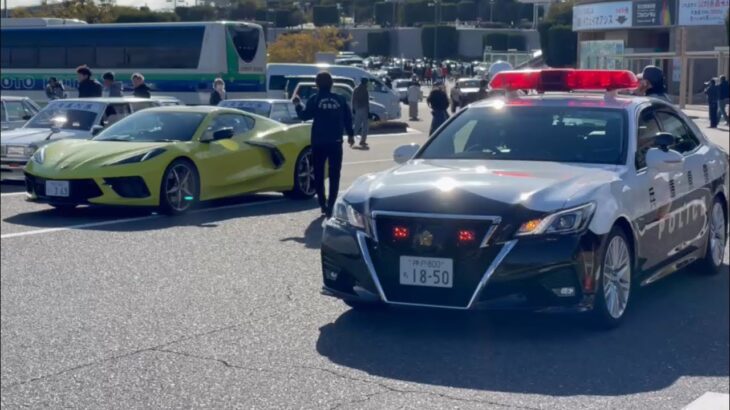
point(702, 12)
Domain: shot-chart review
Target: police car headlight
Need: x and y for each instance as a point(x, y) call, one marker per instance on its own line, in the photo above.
point(563, 222)
point(39, 155)
point(344, 213)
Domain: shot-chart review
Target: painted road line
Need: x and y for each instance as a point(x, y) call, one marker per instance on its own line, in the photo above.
point(126, 220)
point(710, 401)
point(12, 194)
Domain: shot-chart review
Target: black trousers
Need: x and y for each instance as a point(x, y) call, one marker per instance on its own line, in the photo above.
point(331, 154)
point(714, 115)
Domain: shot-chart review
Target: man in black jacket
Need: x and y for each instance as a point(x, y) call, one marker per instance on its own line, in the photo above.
point(332, 118)
point(88, 87)
point(140, 88)
point(439, 103)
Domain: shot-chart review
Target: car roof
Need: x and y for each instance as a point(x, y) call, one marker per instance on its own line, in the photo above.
point(14, 98)
point(107, 100)
point(203, 109)
point(267, 100)
point(583, 100)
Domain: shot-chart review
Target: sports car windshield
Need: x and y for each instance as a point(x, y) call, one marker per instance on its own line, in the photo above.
point(150, 126)
point(560, 134)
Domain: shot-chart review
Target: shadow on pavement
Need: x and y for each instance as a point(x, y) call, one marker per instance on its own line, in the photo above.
point(677, 327)
point(208, 214)
point(12, 186)
point(312, 238)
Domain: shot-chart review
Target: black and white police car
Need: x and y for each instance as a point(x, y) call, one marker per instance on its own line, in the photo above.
point(557, 201)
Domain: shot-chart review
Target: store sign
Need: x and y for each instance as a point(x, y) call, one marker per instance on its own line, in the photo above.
point(599, 16)
point(702, 12)
point(653, 13)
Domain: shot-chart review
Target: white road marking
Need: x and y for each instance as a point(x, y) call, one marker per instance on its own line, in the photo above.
point(12, 194)
point(372, 161)
point(125, 220)
point(710, 401)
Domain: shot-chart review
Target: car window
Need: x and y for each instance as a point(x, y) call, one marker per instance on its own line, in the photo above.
point(137, 106)
point(376, 86)
point(241, 124)
point(30, 108)
point(561, 134)
point(277, 82)
point(685, 141)
point(16, 110)
point(279, 112)
point(648, 128)
point(292, 111)
point(154, 126)
point(114, 113)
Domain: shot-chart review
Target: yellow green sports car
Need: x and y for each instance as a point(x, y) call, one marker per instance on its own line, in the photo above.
point(173, 157)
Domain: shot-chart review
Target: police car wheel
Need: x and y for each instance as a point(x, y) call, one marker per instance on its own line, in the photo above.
point(717, 237)
point(304, 187)
point(179, 188)
point(613, 289)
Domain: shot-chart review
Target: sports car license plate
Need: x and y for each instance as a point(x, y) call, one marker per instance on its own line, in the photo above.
point(57, 188)
point(432, 272)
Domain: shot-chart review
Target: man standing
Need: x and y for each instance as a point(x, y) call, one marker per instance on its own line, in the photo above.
point(54, 89)
point(88, 87)
point(652, 83)
point(332, 118)
point(724, 96)
point(455, 95)
point(483, 92)
point(712, 96)
point(111, 88)
point(361, 106)
point(439, 103)
point(414, 96)
point(140, 88)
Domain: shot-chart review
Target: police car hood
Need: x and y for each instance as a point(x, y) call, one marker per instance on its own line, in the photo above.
point(476, 187)
point(27, 136)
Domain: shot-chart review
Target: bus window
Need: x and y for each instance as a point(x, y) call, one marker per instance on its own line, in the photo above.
point(245, 40)
point(76, 56)
point(110, 56)
point(23, 57)
point(51, 57)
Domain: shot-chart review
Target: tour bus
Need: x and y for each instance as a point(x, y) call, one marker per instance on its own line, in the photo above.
point(277, 73)
point(177, 59)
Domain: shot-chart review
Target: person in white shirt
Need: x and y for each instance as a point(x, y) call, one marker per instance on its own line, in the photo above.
point(414, 96)
point(455, 96)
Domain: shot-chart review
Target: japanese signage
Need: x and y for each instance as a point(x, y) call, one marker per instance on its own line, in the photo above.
point(654, 13)
point(702, 12)
point(602, 54)
point(77, 105)
point(602, 16)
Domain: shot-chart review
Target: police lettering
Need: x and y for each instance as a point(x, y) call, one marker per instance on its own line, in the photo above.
point(682, 217)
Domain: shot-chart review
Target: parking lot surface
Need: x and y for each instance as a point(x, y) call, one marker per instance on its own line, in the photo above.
point(108, 308)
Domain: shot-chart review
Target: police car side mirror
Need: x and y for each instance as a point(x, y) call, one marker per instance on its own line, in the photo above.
point(402, 154)
point(664, 161)
point(664, 140)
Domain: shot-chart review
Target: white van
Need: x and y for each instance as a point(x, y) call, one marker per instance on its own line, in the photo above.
point(276, 74)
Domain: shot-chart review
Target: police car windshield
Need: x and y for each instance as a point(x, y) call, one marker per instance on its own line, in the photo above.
point(151, 126)
point(69, 119)
point(531, 133)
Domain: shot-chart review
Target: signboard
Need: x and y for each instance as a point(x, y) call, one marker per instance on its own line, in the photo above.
point(599, 16)
point(602, 54)
point(702, 12)
point(654, 13)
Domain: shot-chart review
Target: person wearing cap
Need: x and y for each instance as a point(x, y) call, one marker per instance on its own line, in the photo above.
point(141, 90)
point(438, 101)
point(88, 87)
point(54, 89)
point(652, 83)
point(111, 88)
point(331, 119)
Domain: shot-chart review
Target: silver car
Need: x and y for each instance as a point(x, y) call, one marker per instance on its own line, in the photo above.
point(16, 111)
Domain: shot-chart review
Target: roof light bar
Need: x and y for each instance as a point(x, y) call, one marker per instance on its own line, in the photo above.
point(564, 80)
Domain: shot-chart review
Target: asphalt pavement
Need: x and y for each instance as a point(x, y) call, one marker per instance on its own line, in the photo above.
point(107, 308)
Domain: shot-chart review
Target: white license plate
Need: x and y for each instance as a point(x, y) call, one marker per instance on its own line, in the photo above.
point(57, 188)
point(432, 272)
point(16, 151)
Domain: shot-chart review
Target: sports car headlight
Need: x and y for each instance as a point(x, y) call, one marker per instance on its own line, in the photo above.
point(141, 157)
point(563, 222)
point(346, 214)
point(39, 155)
point(30, 150)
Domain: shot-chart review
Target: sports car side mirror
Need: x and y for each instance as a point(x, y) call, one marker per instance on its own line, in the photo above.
point(96, 129)
point(221, 134)
point(664, 161)
point(404, 153)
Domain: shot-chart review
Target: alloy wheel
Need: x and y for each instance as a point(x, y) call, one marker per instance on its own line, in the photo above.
point(180, 187)
point(305, 173)
point(717, 234)
point(617, 277)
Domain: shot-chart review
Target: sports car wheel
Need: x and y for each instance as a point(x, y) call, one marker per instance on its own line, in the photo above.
point(716, 241)
point(179, 188)
point(303, 177)
point(614, 286)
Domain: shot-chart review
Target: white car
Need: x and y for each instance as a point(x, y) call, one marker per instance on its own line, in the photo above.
point(282, 111)
point(68, 118)
point(401, 87)
point(306, 90)
point(16, 111)
point(559, 201)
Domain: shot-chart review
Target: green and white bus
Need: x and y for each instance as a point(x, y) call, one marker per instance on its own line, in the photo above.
point(177, 59)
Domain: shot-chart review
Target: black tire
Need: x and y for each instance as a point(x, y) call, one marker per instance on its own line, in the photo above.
point(188, 198)
point(606, 313)
point(301, 190)
point(711, 263)
point(63, 208)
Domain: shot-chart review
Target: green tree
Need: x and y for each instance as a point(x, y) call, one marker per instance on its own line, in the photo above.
point(197, 13)
point(559, 46)
point(301, 47)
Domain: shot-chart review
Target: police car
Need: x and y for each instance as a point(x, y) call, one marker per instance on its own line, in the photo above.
point(561, 200)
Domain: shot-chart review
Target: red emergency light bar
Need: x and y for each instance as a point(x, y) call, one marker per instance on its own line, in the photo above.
point(564, 80)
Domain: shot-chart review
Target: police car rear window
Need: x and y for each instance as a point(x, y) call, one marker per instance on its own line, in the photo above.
point(560, 134)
